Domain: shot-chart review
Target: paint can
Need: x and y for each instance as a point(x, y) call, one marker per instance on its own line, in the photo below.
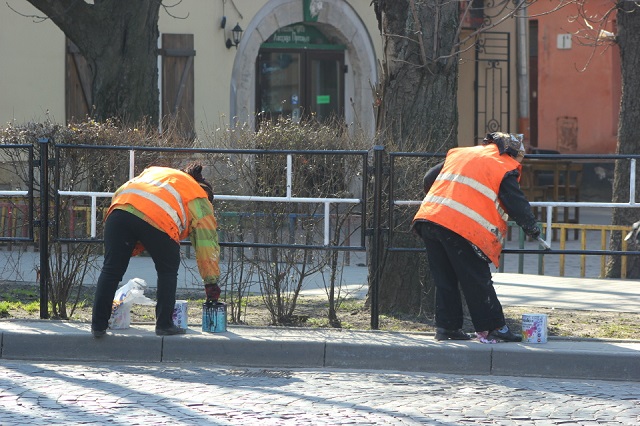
point(534, 328)
point(180, 316)
point(214, 317)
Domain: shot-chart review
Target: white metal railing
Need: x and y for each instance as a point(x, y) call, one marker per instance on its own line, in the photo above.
point(94, 204)
point(249, 198)
point(14, 193)
point(550, 205)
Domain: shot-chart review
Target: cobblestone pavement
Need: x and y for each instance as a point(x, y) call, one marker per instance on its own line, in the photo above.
point(70, 394)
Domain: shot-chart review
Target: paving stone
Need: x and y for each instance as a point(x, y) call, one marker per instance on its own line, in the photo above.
point(196, 394)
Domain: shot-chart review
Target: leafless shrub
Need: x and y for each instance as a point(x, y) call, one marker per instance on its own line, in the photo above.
point(77, 168)
point(282, 270)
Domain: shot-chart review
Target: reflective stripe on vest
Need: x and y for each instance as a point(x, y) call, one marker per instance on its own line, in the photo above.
point(180, 225)
point(461, 208)
point(481, 188)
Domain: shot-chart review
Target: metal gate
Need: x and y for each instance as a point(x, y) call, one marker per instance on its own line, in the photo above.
point(132, 160)
point(17, 210)
point(492, 84)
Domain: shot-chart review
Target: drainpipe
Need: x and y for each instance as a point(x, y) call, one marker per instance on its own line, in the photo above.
point(523, 72)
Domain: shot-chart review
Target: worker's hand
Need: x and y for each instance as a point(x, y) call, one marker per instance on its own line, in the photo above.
point(212, 291)
point(634, 234)
point(533, 232)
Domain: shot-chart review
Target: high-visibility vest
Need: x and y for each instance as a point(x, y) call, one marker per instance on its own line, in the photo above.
point(464, 197)
point(162, 194)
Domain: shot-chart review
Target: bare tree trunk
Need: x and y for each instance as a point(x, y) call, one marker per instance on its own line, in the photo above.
point(628, 129)
point(420, 72)
point(119, 40)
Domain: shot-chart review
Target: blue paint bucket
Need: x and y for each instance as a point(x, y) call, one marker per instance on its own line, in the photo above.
point(214, 317)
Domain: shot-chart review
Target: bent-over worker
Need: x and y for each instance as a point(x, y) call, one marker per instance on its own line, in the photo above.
point(155, 211)
point(463, 221)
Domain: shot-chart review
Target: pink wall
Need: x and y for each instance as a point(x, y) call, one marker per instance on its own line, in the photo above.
point(590, 97)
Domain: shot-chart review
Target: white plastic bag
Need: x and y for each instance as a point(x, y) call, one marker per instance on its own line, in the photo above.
point(130, 293)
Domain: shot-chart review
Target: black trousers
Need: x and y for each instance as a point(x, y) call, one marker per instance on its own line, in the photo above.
point(121, 233)
point(455, 266)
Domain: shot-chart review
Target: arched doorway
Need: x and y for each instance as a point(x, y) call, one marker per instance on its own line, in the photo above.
point(340, 24)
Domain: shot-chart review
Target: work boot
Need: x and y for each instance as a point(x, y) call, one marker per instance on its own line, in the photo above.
point(170, 331)
point(98, 333)
point(444, 334)
point(506, 336)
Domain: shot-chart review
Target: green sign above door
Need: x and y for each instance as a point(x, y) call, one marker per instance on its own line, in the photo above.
point(301, 36)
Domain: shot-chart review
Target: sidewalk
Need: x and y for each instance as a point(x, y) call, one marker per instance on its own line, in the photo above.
point(278, 347)
point(568, 293)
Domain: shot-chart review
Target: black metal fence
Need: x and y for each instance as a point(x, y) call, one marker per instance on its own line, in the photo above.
point(381, 189)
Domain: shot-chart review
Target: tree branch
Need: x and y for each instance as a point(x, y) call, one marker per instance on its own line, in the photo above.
point(167, 7)
point(64, 12)
point(416, 22)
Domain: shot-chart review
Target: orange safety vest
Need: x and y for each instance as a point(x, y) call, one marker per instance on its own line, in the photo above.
point(464, 197)
point(162, 194)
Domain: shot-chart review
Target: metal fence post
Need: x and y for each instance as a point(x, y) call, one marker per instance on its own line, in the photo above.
point(44, 227)
point(376, 251)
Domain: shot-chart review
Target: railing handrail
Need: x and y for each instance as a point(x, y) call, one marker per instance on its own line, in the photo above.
point(289, 198)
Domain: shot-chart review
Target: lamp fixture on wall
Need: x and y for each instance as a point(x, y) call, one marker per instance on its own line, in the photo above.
point(237, 36)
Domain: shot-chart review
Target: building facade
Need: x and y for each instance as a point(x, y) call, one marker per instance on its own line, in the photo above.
point(320, 57)
point(575, 86)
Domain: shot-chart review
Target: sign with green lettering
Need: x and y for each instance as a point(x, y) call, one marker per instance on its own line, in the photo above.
point(298, 34)
point(301, 36)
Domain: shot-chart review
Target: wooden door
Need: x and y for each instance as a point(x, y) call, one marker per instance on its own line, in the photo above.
point(178, 83)
point(78, 79)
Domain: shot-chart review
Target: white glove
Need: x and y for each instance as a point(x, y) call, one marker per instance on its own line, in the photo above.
point(634, 234)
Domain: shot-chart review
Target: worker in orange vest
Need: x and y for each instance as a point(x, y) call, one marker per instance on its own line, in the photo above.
point(155, 211)
point(462, 221)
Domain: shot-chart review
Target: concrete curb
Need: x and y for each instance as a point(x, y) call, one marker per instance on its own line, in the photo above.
point(274, 347)
point(577, 360)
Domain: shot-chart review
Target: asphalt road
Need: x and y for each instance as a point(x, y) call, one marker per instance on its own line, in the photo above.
point(70, 394)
